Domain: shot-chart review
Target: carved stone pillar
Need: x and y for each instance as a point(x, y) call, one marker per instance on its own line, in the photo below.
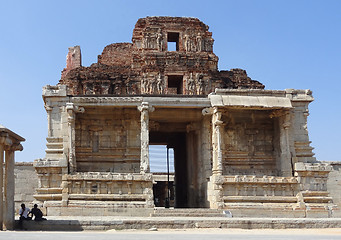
point(71, 113)
point(8, 212)
point(285, 158)
point(215, 184)
point(217, 168)
point(71, 133)
point(1, 183)
point(144, 161)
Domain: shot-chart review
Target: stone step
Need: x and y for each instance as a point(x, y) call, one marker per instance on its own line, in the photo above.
point(54, 151)
point(187, 212)
point(108, 223)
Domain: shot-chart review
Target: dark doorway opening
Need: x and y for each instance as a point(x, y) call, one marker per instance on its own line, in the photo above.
point(175, 83)
point(177, 141)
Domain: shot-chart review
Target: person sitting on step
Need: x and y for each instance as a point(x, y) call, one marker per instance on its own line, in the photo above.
point(23, 212)
point(38, 214)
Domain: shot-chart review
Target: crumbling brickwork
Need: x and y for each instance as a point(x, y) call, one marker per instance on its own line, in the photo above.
point(149, 66)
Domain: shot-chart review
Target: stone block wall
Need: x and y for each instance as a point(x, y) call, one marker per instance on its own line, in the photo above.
point(248, 143)
point(334, 182)
point(108, 140)
point(26, 182)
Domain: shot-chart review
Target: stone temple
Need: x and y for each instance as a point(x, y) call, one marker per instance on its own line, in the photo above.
point(237, 147)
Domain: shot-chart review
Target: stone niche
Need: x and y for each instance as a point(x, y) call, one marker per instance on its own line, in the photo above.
point(108, 140)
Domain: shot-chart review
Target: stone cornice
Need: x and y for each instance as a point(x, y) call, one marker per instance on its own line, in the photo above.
point(106, 101)
point(137, 101)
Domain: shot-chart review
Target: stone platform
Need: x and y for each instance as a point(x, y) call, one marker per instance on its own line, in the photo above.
point(73, 223)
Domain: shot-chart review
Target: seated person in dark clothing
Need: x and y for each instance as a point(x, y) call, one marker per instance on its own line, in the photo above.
point(38, 215)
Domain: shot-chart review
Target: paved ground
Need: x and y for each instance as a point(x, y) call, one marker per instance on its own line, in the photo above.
point(193, 234)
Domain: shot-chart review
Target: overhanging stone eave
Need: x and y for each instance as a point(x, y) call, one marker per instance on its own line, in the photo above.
point(178, 102)
point(132, 101)
point(253, 108)
point(250, 102)
point(13, 135)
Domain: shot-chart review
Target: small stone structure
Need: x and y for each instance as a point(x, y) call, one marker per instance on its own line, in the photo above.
point(236, 146)
point(9, 143)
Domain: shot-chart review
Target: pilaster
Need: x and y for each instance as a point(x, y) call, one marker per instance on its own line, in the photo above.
point(300, 99)
point(71, 119)
point(286, 161)
point(49, 120)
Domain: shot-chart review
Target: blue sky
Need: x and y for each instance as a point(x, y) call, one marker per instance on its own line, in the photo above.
point(283, 44)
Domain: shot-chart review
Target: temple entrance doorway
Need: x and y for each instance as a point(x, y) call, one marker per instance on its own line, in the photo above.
point(179, 189)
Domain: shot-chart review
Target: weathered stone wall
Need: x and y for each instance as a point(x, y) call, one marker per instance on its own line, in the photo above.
point(26, 182)
point(248, 143)
point(108, 140)
point(334, 182)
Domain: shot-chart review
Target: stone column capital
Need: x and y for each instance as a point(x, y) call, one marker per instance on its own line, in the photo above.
point(145, 107)
point(9, 144)
point(4, 140)
point(217, 117)
point(16, 147)
point(70, 107)
point(207, 111)
point(48, 108)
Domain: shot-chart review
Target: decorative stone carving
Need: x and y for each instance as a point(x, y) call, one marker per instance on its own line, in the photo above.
point(159, 40)
point(199, 42)
point(159, 84)
point(217, 142)
point(191, 86)
point(201, 84)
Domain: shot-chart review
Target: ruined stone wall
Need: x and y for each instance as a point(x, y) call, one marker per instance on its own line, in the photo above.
point(119, 54)
point(334, 182)
point(148, 65)
point(248, 143)
point(108, 140)
point(26, 182)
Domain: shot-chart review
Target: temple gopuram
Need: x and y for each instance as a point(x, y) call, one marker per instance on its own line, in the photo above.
point(237, 147)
